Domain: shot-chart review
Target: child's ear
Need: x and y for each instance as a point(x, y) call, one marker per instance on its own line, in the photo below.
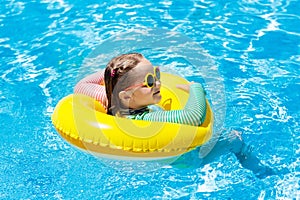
point(124, 97)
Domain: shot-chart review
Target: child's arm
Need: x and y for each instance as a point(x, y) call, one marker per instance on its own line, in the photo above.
point(93, 86)
point(192, 114)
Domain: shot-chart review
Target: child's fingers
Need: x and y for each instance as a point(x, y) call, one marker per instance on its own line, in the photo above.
point(184, 87)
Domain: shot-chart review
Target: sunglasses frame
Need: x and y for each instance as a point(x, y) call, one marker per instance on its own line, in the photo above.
point(145, 83)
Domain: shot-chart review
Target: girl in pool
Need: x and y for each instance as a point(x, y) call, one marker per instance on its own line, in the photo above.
point(132, 88)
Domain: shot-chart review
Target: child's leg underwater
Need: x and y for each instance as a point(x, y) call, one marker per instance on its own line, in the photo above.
point(233, 143)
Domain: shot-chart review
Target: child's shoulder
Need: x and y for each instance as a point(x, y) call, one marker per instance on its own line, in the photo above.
point(153, 108)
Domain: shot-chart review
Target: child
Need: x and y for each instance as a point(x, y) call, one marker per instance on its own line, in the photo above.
point(132, 87)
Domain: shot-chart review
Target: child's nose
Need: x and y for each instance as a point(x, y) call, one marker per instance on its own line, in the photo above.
point(157, 83)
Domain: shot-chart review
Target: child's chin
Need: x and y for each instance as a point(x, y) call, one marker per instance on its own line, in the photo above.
point(157, 98)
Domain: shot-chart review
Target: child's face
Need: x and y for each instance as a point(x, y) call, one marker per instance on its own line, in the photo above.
point(142, 95)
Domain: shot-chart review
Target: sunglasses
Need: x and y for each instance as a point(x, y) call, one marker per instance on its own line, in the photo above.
point(149, 81)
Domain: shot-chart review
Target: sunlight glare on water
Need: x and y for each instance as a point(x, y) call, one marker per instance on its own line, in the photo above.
point(245, 53)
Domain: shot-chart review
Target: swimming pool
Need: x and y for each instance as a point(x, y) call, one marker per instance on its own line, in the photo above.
point(246, 54)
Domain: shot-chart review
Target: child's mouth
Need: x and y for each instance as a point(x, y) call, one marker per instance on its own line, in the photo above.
point(157, 92)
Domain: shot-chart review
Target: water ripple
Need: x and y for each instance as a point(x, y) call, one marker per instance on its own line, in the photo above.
point(254, 46)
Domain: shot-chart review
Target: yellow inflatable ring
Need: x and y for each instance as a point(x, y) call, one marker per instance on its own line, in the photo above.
point(83, 122)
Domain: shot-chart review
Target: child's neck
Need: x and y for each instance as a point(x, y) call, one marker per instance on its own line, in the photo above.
point(131, 111)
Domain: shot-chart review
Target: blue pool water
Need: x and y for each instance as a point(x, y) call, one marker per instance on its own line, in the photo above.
point(246, 53)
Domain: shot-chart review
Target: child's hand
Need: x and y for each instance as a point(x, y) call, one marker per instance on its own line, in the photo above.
point(185, 87)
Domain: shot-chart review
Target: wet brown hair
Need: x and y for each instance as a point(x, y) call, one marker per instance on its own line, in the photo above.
point(114, 72)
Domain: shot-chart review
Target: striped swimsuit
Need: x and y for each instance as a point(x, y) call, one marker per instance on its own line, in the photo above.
point(192, 114)
point(93, 86)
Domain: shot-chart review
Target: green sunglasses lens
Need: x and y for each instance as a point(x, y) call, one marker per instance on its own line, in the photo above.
point(150, 80)
point(157, 73)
